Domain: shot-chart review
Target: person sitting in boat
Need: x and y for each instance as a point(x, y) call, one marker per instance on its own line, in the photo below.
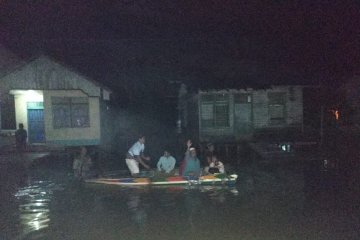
point(135, 155)
point(209, 153)
point(166, 164)
point(215, 166)
point(82, 164)
point(191, 163)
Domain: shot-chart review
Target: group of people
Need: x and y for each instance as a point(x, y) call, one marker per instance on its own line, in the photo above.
point(190, 166)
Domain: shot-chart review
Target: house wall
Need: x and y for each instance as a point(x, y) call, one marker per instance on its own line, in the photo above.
point(260, 112)
point(294, 107)
point(72, 136)
point(260, 109)
point(223, 131)
point(21, 101)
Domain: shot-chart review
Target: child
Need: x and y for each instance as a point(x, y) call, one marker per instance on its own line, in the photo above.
point(215, 166)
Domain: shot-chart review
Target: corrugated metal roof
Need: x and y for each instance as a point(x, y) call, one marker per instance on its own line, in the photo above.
point(44, 73)
point(12, 66)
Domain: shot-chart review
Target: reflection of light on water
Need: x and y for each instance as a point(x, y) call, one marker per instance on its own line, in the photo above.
point(39, 221)
point(219, 193)
point(34, 205)
point(133, 202)
point(234, 191)
point(139, 214)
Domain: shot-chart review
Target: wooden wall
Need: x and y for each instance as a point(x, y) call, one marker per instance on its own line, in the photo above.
point(259, 115)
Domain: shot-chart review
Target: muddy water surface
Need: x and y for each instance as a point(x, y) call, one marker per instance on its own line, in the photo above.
point(276, 204)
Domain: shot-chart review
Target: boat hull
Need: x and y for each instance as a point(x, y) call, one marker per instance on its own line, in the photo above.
point(170, 181)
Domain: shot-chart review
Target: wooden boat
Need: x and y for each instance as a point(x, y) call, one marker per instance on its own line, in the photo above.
point(218, 179)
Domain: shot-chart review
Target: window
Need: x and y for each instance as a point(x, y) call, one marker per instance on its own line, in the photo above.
point(277, 108)
point(7, 108)
point(242, 98)
point(70, 112)
point(215, 111)
point(242, 108)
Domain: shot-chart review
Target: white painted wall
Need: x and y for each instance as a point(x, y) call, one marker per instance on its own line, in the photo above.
point(22, 97)
point(71, 134)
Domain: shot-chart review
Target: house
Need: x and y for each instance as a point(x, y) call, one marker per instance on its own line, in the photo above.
point(231, 115)
point(56, 104)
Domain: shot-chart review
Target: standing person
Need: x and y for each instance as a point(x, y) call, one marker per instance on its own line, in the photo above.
point(135, 155)
point(166, 163)
point(192, 163)
point(20, 138)
point(82, 164)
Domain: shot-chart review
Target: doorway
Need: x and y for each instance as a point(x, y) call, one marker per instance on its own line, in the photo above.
point(36, 129)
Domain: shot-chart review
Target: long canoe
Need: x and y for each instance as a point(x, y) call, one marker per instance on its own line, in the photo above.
point(219, 179)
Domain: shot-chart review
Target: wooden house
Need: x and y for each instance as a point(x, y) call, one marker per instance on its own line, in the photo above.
point(230, 115)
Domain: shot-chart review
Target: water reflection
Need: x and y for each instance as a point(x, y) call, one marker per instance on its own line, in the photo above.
point(34, 207)
point(219, 194)
point(266, 208)
point(136, 207)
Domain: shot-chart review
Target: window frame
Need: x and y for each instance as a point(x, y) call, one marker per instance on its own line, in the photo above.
point(215, 102)
point(68, 105)
point(277, 100)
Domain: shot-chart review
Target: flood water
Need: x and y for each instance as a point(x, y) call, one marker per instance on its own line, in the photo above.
point(264, 204)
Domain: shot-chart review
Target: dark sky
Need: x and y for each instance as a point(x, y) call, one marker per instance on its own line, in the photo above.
point(216, 43)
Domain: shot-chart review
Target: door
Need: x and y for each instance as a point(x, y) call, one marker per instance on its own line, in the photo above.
point(243, 114)
point(36, 129)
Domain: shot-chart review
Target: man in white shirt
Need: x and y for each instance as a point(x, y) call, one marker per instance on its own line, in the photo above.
point(166, 163)
point(135, 155)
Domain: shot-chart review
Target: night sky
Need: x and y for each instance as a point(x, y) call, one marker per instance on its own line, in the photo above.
point(206, 44)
